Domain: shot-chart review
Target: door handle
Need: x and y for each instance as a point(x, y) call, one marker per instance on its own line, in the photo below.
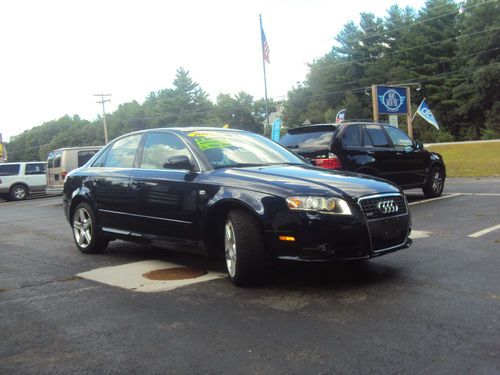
point(136, 185)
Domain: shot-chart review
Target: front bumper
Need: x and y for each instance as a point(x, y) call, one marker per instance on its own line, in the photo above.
point(320, 237)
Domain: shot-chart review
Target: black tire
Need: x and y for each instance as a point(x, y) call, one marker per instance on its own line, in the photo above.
point(435, 183)
point(18, 192)
point(244, 252)
point(85, 233)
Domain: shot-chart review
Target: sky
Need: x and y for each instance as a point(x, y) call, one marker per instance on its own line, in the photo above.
point(56, 54)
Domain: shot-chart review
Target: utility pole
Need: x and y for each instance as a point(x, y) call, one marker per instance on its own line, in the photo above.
point(104, 114)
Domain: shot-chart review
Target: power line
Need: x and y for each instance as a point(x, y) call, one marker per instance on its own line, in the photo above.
point(414, 23)
point(420, 79)
point(405, 49)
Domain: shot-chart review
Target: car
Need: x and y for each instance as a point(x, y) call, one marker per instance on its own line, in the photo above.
point(233, 194)
point(375, 149)
point(18, 180)
point(64, 160)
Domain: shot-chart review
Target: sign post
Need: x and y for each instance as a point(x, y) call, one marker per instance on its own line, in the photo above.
point(392, 100)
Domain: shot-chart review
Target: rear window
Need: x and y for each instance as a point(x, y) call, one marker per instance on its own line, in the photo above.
point(307, 140)
point(9, 169)
point(85, 156)
point(57, 160)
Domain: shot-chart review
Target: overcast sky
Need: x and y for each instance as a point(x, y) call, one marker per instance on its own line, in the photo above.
point(57, 54)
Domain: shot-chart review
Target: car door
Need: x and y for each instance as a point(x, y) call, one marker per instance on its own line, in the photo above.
point(110, 184)
point(166, 197)
point(35, 176)
point(411, 163)
point(378, 147)
point(351, 152)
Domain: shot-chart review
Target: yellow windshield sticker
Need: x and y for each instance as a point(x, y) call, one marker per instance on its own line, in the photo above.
point(205, 143)
point(198, 134)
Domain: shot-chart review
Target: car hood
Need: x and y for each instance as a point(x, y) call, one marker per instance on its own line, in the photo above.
point(302, 180)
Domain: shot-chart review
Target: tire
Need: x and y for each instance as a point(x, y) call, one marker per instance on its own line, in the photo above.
point(243, 248)
point(18, 192)
point(85, 233)
point(435, 183)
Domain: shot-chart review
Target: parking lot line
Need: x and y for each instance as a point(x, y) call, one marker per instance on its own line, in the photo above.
point(484, 231)
point(435, 199)
point(419, 234)
point(483, 194)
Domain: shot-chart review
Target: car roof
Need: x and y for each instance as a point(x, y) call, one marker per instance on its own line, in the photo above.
point(22, 162)
point(328, 127)
point(77, 148)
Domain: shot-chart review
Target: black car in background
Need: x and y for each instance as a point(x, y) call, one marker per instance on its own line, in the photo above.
point(370, 148)
point(234, 194)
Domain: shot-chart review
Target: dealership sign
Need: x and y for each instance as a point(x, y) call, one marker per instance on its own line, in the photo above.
point(391, 100)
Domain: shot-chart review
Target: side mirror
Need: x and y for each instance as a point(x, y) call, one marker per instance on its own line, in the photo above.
point(179, 162)
point(419, 145)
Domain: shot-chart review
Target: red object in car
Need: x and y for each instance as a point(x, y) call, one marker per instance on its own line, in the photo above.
point(63, 175)
point(332, 162)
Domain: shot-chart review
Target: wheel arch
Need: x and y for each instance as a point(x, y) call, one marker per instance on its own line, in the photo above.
point(215, 220)
point(75, 201)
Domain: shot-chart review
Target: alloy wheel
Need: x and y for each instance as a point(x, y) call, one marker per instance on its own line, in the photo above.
point(19, 193)
point(437, 181)
point(82, 227)
point(230, 248)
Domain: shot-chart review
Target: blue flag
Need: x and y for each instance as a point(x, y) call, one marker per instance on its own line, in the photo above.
point(275, 135)
point(424, 111)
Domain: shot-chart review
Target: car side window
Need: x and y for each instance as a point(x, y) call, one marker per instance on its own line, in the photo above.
point(398, 137)
point(10, 169)
point(351, 136)
point(32, 169)
point(122, 153)
point(159, 147)
point(375, 136)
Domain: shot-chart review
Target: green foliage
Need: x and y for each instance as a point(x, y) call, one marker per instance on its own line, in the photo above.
point(450, 48)
point(185, 104)
point(451, 52)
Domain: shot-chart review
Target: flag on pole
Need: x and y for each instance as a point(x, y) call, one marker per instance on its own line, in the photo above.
point(340, 116)
point(265, 46)
point(424, 111)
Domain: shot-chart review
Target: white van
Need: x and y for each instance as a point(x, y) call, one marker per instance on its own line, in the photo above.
point(17, 180)
point(63, 160)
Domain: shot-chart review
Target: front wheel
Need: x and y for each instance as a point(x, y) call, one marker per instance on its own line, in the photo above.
point(85, 234)
point(244, 248)
point(435, 183)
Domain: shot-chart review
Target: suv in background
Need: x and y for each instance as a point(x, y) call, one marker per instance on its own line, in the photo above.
point(17, 180)
point(371, 148)
point(61, 161)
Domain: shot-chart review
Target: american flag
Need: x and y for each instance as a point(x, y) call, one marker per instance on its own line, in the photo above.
point(265, 46)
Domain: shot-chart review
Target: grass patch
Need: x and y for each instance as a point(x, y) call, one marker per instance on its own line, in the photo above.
point(470, 159)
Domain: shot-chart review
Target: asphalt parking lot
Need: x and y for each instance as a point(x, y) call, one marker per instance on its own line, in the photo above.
point(431, 309)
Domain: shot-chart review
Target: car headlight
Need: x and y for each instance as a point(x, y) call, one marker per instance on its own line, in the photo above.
point(319, 204)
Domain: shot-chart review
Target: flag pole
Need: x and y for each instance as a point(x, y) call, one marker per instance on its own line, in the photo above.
point(420, 105)
point(264, 69)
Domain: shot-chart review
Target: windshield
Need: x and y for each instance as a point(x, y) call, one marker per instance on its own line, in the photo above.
point(238, 149)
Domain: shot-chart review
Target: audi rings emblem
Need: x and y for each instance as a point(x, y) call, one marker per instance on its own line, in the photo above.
point(388, 207)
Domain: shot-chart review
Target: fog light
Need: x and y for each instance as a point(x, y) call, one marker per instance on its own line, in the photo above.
point(287, 238)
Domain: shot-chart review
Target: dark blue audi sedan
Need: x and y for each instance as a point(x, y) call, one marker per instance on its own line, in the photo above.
point(230, 193)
